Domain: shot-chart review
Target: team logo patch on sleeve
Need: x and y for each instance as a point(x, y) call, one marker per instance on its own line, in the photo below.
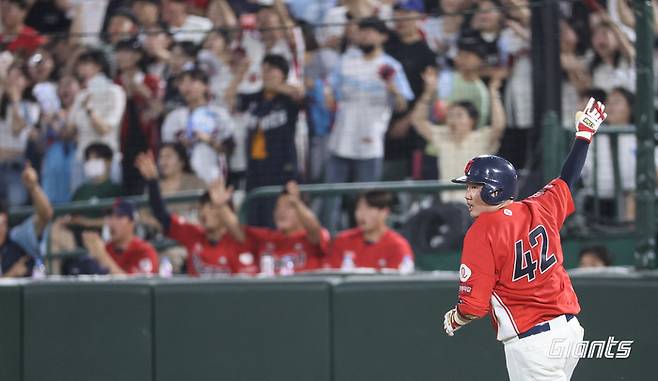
point(464, 273)
point(246, 259)
point(145, 265)
point(465, 289)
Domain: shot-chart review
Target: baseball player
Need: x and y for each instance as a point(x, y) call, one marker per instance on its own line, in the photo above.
point(511, 265)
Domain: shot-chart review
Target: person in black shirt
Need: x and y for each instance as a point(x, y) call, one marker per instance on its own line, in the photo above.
point(407, 45)
point(272, 119)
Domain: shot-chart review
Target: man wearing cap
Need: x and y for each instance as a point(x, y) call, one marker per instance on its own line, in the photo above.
point(183, 26)
point(125, 253)
point(367, 86)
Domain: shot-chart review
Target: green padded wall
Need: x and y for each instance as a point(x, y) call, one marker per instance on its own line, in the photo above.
point(392, 329)
point(87, 331)
point(243, 330)
point(628, 310)
point(10, 340)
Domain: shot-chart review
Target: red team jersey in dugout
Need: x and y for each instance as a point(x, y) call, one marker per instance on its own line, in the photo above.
point(304, 254)
point(512, 263)
point(227, 256)
point(388, 252)
point(138, 258)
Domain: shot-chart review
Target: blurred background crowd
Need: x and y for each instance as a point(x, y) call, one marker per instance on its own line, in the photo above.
point(263, 92)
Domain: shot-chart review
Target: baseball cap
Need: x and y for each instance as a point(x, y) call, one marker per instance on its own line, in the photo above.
point(132, 44)
point(127, 13)
point(410, 5)
point(124, 208)
point(373, 23)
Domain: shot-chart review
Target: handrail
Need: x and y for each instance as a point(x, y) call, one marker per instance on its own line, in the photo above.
point(349, 188)
point(21, 212)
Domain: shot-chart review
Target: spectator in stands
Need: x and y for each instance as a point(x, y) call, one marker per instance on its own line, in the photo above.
point(50, 17)
point(337, 18)
point(125, 253)
point(458, 141)
point(594, 256)
point(619, 107)
point(514, 44)
point(147, 13)
point(367, 89)
point(156, 45)
point(372, 243)
point(181, 58)
point(575, 72)
point(205, 129)
point(299, 243)
point(183, 26)
point(123, 25)
point(611, 62)
point(215, 59)
point(442, 32)
point(139, 127)
point(487, 23)
point(176, 174)
point(67, 230)
point(215, 245)
point(15, 36)
point(272, 120)
point(19, 247)
point(408, 47)
point(97, 111)
point(19, 114)
point(59, 149)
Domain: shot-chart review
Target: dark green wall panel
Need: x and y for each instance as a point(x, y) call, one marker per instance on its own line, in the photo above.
point(10, 339)
point(84, 331)
point(243, 330)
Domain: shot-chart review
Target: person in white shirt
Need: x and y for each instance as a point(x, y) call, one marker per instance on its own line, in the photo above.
point(97, 110)
point(183, 26)
point(367, 87)
point(206, 130)
point(18, 115)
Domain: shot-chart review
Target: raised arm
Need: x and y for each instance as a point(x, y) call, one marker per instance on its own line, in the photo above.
point(306, 216)
point(419, 115)
point(220, 196)
point(43, 208)
point(587, 123)
point(147, 168)
point(498, 118)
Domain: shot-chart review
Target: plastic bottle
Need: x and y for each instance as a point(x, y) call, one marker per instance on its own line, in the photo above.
point(348, 261)
point(39, 269)
point(407, 265)
point(267, 264)
point(166, 268)
point(287, 265)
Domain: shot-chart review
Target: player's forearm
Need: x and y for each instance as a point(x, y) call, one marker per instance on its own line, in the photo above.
point(309, 221)
point(231, 222)
point(157, 205)
point(43, 208)
point(574, 163)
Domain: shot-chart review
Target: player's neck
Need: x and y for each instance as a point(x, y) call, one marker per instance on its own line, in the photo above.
point(373, 235)
point(123, 243)
point(215, 234)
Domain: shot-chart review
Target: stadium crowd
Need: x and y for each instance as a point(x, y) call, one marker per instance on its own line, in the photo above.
point(111, 98)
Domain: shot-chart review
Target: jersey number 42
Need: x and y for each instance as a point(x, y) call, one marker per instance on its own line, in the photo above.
point(524, 264)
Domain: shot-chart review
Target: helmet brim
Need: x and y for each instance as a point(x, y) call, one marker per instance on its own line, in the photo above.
point(460, 180)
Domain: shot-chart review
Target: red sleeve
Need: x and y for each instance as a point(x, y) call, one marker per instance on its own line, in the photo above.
point(324, 244)
point(335, 249)
point(154, 84)
point(398, 249)
point(477, 272)
point(183, 231)
point(556, 199)
point(256, 236)
point(144, 260)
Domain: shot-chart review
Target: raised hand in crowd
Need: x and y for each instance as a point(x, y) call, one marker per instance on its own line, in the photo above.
point(146, 166)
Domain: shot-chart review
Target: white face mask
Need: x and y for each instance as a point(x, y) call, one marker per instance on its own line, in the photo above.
point(94, 168)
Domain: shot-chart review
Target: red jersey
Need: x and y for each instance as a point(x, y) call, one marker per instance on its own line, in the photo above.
point(511, 264)
point(227, 256)
point(304, 254)
point(26, 41)
point(388, 252)
point(139, 257)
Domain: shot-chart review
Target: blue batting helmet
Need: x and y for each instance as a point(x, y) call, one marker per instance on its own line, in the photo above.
point(497, 176)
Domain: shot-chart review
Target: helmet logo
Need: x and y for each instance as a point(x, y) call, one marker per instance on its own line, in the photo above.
point(468, 167)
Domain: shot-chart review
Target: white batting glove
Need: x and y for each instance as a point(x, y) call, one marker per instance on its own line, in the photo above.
point(452, 321)
point(589, 120)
